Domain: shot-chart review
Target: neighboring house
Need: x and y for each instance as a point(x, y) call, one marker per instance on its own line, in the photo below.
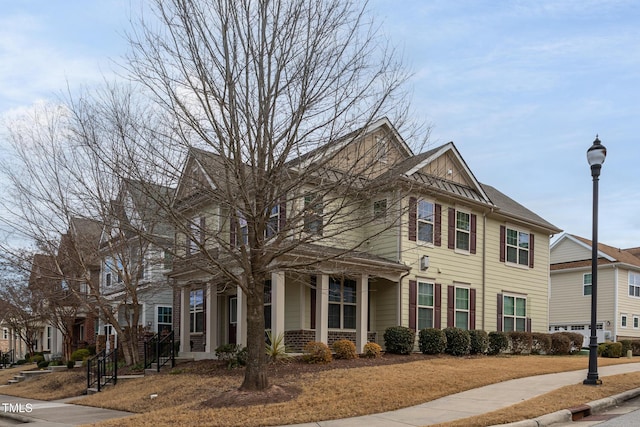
point(618, 305)
point(135, 256)
point(5, 334)
point(462, 254)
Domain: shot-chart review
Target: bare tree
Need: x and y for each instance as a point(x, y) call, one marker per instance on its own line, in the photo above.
point(276, 98)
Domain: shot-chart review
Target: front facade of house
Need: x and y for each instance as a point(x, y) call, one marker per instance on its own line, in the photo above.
point(618, 306)
point(440, 250)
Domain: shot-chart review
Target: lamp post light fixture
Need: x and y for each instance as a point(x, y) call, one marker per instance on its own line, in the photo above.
point(595, 156)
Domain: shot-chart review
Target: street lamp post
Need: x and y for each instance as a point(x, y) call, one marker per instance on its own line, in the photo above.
point(595, 156)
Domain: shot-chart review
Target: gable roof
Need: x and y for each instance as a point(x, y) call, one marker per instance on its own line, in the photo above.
point(606, 254)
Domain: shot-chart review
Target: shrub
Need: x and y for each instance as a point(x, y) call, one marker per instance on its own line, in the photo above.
point(432, 341)
point(275, 349)
point(575, 339)
point(37, 358)
point(458, 341)
point(92, 349)
point(498, 342)
point(560, 343)
point(626, 346)
point(234, 354)
point(635, 347)
point(316, 352)
point(70, 364)
point(479, 341)
point(541, 343)
point(55, 363)
point(80, 354)
point(43, 364)
point(610, 349)
point(399, 339)
point(21, 362)
point(345, 349)
point(372, 350)
point(521, 342)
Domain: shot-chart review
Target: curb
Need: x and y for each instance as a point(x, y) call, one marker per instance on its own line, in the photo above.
point(566, 415)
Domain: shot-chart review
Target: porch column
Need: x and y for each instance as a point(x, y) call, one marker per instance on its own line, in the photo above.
point(277, 304)
point(322, 309)
point(241, 329)
point(185, 325)
point(211, 316)
point(362, 303)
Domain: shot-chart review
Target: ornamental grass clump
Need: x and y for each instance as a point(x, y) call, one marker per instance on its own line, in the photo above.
point(317, 352)
point(345, 349)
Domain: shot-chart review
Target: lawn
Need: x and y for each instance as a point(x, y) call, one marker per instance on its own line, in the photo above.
point(203, 394)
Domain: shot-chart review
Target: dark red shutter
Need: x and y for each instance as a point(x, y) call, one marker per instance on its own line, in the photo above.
point(503, 242)
point(282, 214)
point(472, 237)
point(528, 324)
point(499, 319)
point(472, 309)
point(202, 229)
point(451, 236)
point(413, 303)
point(313, 302)
point(437, 306)
point(451, 301)
point(187, 242)
point(531, 240)
point(437, 226)
point(413, 218)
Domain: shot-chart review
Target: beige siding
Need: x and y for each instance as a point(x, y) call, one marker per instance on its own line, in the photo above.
point(628, 305)
point(449, 168)
point(568, 250)
point(384, 306)
point(294, 290)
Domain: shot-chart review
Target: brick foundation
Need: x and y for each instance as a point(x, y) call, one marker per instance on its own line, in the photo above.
point(295, 341)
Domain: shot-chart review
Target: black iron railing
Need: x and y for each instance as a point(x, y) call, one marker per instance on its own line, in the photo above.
point(102, 369)
point(7, 358)
point(161, 350)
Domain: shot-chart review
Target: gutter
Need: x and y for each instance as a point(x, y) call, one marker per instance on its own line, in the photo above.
point(615, 303)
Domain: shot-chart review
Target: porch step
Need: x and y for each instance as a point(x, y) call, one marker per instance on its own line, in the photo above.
point(180, 360)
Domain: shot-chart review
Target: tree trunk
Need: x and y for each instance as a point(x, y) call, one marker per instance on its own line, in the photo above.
point(255, 376)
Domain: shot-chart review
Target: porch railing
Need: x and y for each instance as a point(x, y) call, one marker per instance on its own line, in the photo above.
point(102, 369)
point(161, 350)
point(7, 358)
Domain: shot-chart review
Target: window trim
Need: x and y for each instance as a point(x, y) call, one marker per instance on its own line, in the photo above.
point(623, 321)
point(635, 285)
point(379, 211)
point(426, 221)
point(518, 232)
point(461, 230)
point(342, 303)
point(636, 322)
point(157, 317)
point(194, 311)
point(431, 307)
point(514, 316)
point(456, 310)
point(585, 284)
point(313, 215)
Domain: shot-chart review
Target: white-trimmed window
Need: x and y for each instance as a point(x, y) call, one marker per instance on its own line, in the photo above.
point(342, 303)
point(196, 311)
point(463, 230)
point(517, 245)
point(314, 210)
point(425, 305)
point(164, 318)
point(586, 284)
point(634, 284)
point(462, 308)
point(113, 271)
point(425, 217)
point(514, 313)
point(49, 337)
point(380, 209)
point(5, 333)
point(273, 224)
point(636, 322)
point(623, 321)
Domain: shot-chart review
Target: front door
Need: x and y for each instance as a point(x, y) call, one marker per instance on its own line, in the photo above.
point(233, 319)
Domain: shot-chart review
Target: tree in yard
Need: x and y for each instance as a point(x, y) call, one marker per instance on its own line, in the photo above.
point(270, 95)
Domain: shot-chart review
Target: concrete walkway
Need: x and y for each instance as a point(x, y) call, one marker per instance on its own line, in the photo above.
point(462, 405)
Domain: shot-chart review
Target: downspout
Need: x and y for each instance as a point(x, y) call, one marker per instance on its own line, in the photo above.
point(615, 304)
point(484, 269)
point(399, 257)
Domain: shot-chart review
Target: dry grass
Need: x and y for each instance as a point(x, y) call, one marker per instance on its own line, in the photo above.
point(7, 374)
point(337, 393)
point(57, 385)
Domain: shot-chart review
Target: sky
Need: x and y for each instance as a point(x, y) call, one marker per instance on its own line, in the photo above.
point(521, 87)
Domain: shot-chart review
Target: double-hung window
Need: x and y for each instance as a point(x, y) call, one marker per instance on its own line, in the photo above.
point(380, 209)
point(425, 305)
point(634, 284)
point(517, 247)
point(342, 303)
point(313, 208)
point(425, 218)
point(462, 308)
point(165, 318)
point(5, 333)
point(273, 224)
point(196, 311)
point(586, 284)
point(463, 230)
point(514, 313)
point(623, 320)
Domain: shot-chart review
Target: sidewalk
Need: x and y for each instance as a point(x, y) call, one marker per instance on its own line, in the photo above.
point(466, 404)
